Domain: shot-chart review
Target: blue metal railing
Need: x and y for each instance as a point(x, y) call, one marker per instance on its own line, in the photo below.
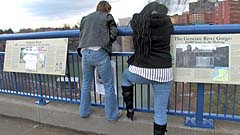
point(197, 101)
point(127, 31)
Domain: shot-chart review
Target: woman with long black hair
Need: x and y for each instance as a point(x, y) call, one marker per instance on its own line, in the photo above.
point(151, 62)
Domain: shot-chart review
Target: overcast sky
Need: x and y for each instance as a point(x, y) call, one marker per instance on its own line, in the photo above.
point(17, 14)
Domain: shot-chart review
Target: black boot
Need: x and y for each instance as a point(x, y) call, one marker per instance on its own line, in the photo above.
point(159, 129)
point(127, 93)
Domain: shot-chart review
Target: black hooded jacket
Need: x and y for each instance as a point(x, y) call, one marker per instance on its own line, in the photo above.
point(152, 30)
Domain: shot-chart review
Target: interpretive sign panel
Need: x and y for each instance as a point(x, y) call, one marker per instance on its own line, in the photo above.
point(207, 58)
point(39, 56)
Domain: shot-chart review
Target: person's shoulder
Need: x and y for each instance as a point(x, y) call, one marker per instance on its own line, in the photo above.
point(101, 13)
point(91, 14)
point(109, 15)
point(83, 19)
point(136, 15)
point(135, 18)
point(95, 13)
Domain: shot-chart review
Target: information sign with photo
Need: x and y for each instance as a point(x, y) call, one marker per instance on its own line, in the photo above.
point(206, 58)
point(39, 56)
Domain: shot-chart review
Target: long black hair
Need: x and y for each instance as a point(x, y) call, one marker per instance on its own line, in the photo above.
point(153, 14)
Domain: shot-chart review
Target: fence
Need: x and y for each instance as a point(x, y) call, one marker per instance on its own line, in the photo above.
point(198, 102)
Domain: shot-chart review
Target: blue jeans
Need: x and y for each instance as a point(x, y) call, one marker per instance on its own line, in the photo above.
point(161, 94)
point(101, 60)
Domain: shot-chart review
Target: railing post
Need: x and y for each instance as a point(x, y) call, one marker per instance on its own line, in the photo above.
point(69, 76)
point(41, 101)
point(198, 120)
point(15, 82)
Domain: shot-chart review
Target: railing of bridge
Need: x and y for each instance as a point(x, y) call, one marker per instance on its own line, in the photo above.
point(198, 102)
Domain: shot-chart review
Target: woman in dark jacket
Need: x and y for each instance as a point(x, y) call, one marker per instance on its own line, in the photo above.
point(151, 62)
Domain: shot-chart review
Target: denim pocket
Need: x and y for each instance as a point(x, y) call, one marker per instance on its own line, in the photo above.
point(84, 51)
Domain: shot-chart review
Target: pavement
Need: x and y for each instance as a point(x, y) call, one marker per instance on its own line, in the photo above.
point(18, 126)
point(20, 116)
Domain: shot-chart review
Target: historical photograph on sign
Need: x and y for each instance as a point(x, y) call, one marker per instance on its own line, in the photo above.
point(202, 55)
point(22, 55)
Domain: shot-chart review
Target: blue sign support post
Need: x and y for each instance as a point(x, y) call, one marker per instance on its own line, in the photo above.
point(199, 120)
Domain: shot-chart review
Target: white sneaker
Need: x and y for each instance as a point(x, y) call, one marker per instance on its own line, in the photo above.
point(119, 116)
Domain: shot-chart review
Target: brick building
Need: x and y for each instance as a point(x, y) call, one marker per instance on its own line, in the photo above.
point(200, 12)
point(226, 12)
point(210, 12)
point(180, 19)
point(184, 18)
point(201, 18)
point(201, 6)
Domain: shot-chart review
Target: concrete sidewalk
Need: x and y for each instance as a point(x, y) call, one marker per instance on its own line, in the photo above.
point(18, 126)
point(67, 116)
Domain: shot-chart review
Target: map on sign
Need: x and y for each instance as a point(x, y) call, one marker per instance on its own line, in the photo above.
point(41, 56)
point(220, 74)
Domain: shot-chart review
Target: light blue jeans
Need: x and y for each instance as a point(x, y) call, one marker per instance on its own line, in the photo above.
point(161, 94)
point(101, 60)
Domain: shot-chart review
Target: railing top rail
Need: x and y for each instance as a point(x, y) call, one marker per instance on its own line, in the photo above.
point(41, 35)
point(127, 31)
